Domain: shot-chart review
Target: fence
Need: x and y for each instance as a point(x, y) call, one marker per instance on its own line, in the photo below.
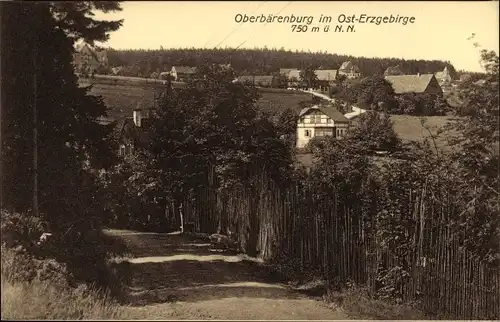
point(342, 238)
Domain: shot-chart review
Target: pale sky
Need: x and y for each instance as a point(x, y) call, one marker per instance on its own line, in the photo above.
point(440, 29)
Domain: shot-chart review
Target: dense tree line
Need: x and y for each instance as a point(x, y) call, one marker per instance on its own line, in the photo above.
point(262, 61)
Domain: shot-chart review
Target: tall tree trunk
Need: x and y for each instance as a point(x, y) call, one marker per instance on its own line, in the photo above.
point(35, 126)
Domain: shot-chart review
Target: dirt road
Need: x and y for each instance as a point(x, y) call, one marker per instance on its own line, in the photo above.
point(177, 277)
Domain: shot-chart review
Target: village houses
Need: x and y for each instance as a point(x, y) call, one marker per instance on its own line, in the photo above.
point(319, 121)
point(419, 84)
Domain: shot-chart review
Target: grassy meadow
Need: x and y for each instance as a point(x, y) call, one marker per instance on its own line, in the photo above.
point(126, 95)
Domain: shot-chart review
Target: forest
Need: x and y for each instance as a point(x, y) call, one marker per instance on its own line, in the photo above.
point(261, 61)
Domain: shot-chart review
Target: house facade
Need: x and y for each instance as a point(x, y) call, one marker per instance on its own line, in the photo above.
point(134, 132)
point(350, 70)
point(444, 76)
point(419, 84)
point(182, 73)
point(326, 77)
point(87, 59)
point(319, 121)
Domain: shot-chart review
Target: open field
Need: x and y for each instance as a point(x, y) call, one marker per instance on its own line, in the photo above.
point(129, 93)
point(409, 128)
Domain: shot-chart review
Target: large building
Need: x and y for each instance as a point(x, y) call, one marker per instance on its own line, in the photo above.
point(419, 84)
point(319, 121)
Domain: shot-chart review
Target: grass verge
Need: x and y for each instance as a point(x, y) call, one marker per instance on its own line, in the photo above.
point(40, 300)
point(358, 304)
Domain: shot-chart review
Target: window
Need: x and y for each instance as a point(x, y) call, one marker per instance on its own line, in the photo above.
point(122, 150)
point(324, 132)
point(302, 120)
point(307, 133)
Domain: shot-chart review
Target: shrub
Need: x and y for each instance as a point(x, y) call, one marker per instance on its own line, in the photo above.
point(41, 289)
point(18, 266)
point(19, 229)
point(358, 304)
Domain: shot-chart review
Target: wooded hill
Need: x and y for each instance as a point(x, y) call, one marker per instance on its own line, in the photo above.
point(262, 61)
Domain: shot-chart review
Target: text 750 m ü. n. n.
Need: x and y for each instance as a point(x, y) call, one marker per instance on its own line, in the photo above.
point(326, 28)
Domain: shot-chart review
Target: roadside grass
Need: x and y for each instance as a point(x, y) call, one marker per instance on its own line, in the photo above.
point(358, 304)
point(34, 288)
point(41, 300)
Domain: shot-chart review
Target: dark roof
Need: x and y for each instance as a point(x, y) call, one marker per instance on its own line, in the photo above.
point(286, 71)
point(127, 130)
point(185, 69)
point(410, 83)
point(259, 80)
point(326, 74)
point(393, 71)
point(329, 110)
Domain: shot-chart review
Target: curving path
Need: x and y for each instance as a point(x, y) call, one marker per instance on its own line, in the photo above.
point(355, 110)
point(174, 276)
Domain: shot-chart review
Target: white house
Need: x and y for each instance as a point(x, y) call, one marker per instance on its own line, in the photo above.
point(444, 76)
point(318, 121)
point(349, 69)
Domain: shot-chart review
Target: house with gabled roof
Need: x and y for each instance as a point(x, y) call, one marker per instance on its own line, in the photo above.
point(88, 59)
point(419, 84)
point(393, 71)
point(326, 75)
point(182, 73)
point(134, 131)
point(320, 121)
point(286, 71)
point(444, 76)
point(349, 69)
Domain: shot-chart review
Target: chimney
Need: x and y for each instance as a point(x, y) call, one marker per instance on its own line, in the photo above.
point(137, 117)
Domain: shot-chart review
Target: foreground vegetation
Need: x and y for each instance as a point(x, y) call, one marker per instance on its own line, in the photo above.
point(405, 231)
point(425, 231)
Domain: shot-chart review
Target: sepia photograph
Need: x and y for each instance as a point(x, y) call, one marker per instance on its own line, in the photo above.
point(250, 160)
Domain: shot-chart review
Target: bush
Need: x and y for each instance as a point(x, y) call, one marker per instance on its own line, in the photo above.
point(69, 258)
point(20, 229)
point(42, 289)
point(18, 266)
